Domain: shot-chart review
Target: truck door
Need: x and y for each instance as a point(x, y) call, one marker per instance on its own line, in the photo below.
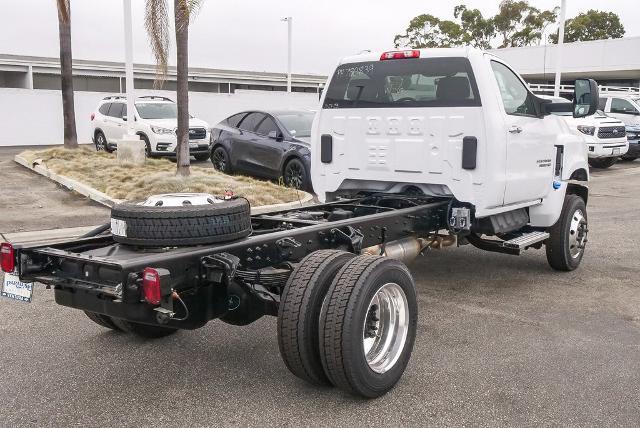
point(530, 141)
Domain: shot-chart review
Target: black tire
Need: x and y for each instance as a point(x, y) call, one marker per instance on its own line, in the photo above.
point(560, 244)
point(101, 143)
point(342, 325)
point(629, 158)
point(202, 157)
point(220, 160)
point(183, 225)
point(102, 320)
point(299, 313)
point(602, 163)
point(147, 146)
point(143, 330)
point(295, 175)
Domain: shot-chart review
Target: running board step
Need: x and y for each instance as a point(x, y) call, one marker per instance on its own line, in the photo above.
point(525, 240)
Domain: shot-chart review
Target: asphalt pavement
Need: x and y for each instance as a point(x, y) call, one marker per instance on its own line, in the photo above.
point(502, 341)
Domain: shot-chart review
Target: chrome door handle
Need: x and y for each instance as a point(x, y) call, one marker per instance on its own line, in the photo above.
point(515, 129)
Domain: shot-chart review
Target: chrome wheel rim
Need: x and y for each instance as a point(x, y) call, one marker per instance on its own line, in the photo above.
point(577, 234)
point(294, 175)
point(219, 160)
point(385, 328)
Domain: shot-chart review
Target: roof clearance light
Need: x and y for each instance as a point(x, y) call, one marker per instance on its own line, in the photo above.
point(151, 286)
point(7, 257)
point(400, 55)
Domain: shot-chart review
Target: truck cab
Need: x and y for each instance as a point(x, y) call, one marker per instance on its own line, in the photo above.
point(447, 122)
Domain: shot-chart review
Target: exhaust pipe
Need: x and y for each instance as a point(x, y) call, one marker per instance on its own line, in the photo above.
point(407, 249)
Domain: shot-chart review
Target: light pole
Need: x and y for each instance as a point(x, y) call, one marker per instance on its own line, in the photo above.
point(289, 21)
point(563, 10)
point(128, 65)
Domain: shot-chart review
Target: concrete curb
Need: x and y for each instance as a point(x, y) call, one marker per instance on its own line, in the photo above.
point(106, 200)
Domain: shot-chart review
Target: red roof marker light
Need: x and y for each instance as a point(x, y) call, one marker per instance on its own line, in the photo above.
point(400, 55)
point(7, 257)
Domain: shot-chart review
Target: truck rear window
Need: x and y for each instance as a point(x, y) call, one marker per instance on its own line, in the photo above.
point(423, 82)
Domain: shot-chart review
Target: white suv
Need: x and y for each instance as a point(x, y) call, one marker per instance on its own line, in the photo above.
point(605, 136)
point(155, 122)
point(625, 107)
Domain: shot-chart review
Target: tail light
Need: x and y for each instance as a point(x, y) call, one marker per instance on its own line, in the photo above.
point(93, 116)
point(151, 286)
point(400, 55)
point(7, 257)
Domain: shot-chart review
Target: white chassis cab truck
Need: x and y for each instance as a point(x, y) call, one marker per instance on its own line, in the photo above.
point(412, 151)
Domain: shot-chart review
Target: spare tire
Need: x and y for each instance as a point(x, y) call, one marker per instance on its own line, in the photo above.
point(168, 226)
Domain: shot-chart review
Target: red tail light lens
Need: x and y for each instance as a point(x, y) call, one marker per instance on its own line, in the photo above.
point(400, 55)
point(151, 286)
point(7, 257)
point(93, 116)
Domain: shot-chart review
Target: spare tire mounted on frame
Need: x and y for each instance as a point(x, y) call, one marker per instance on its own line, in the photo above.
point(181, 219)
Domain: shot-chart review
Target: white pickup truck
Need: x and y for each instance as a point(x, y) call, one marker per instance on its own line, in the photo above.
point(416, 150)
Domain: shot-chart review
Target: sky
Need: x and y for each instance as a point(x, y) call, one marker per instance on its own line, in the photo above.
point(248, 34)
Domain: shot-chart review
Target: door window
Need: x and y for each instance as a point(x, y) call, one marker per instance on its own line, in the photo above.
point(250, 122)
point(618, 105)
point(267, 126)
point(516, 97)
point(104, 108)
point(116, 110)
point(235, 119)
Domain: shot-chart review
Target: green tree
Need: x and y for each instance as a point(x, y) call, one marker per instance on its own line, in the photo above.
point(519, 24)
point(516, 24)
point(158, 27)
point(66, 74)
point(591, 25)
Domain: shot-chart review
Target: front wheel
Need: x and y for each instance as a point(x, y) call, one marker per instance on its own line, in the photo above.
point(368, 325)
point(295, 175)
point(565, 247)
point(629, 158)
point(602, 163)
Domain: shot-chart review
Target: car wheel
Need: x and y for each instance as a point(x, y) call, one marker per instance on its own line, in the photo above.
point(565, 247)
point(220, 160)
point(299, 313)
point(143, 330)
point(629, 158)
point(368, 325)
point(101, 143)
point(602, 163)
point(147, 146)
point(102, 320)
point(295, 174)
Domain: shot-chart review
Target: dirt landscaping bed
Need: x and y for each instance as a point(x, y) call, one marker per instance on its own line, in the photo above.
point(102, 172)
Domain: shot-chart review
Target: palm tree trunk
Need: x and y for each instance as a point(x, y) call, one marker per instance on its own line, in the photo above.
point(66, 74)
point(182, 64)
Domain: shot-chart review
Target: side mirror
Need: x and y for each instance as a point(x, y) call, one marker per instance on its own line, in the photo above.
point(585, 97)
point(275, 135)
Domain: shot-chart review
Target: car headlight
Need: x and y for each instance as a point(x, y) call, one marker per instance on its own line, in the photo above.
point(588, 130)
point(160, 130)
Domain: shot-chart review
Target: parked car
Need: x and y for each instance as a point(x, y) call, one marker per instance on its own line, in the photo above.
point(605, 136)
point(155, 122)
point(623, 106)
point(265, 144)
point(633, 136)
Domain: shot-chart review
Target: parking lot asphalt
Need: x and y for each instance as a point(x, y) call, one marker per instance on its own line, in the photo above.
point(502, 341)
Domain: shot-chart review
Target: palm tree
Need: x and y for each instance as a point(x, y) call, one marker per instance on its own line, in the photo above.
point(157, 25)
point(66, 74)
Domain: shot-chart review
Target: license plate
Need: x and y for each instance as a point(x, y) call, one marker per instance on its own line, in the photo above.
point(13, 288)
point(193, 145)
point(616, 151)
